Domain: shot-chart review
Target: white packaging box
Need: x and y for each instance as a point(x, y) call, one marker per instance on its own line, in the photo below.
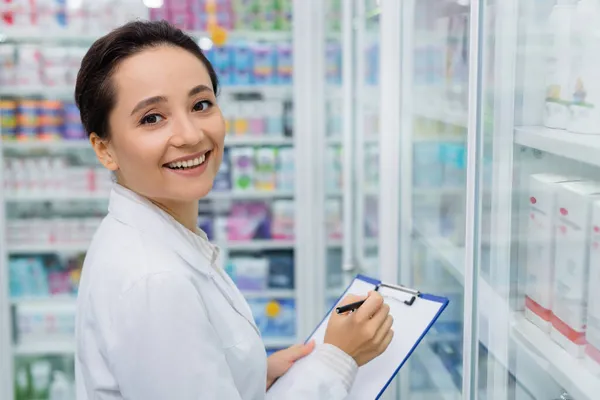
point(592, 335)
point(540, 248)
point(569, 303)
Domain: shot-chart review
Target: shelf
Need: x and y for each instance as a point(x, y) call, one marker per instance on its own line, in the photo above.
point(71, 300)
point(45, 300)
point(231, 195)
point(584, 148)
point(85, 145)
point(569, 372)
point(47, 145)
point(50, 347)
point(47, 248)
point(254, 245)
point(43, 197)
point(249, 140)
point(446, 250)
point(277, 343)
point(67, 347)
point(438, 373)
point(270, 294)
point(258, 245)
point(67, 92)
point(73, 38)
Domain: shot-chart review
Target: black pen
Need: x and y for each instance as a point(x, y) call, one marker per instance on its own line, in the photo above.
point(349, 307)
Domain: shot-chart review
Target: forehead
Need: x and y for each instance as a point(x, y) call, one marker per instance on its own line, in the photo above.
point(164, 70)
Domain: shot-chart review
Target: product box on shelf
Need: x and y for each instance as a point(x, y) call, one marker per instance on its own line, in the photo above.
point(540, 248)
point(559, 60)
point(570, 290)
point(274, 317)
point(592, 334)
point(282, 226)
point(44, 377)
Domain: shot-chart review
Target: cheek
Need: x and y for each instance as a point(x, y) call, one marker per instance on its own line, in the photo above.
point(136, 152)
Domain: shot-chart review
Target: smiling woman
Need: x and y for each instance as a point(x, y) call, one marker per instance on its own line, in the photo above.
point(156, 317)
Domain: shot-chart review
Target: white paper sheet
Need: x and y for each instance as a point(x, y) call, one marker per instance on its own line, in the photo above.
point(410, 324)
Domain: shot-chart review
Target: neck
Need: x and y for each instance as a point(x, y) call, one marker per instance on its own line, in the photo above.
point(184, 213)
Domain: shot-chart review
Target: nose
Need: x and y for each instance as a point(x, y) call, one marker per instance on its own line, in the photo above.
point(186, 132)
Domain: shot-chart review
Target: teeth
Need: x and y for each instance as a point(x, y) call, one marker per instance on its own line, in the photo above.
point(189, 163)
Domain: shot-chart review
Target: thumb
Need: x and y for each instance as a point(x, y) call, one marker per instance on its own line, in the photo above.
point(301, 350)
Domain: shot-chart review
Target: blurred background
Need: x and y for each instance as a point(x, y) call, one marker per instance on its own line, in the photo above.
point(447, 145)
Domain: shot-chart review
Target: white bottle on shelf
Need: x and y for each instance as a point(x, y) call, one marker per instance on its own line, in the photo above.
point(585, 87)
point(60, 389)
point(560, 25)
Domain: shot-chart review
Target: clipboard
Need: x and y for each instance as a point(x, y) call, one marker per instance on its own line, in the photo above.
point(414, 314)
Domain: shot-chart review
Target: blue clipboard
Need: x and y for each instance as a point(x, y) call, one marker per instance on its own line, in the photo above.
point(414, 314)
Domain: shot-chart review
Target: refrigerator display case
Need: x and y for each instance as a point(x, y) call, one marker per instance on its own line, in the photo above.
point(488, 171)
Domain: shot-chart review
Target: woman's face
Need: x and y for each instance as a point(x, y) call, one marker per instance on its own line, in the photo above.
point(166, 130)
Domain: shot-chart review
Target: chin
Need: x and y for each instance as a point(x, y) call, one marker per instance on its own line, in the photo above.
point(196, 191)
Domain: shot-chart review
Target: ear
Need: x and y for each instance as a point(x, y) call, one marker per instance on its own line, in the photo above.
point(103, 152)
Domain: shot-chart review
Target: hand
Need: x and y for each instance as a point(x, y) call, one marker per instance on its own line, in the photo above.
point(365, 333)
point(280, 362)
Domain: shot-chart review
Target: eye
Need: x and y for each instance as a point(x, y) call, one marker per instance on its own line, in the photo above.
point(151, 119)
point(202, 105)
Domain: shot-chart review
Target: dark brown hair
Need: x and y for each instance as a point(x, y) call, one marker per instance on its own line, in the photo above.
point(94, 92)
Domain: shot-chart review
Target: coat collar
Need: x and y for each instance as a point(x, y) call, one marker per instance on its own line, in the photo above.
point(139, 213)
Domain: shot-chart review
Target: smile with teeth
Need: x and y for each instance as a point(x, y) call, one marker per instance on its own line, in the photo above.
point(188, 164)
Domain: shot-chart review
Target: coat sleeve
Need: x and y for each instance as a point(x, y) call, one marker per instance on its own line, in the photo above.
point(326, 374)
point(164, 345)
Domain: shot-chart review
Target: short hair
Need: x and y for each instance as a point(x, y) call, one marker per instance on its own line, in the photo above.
point(94, 91)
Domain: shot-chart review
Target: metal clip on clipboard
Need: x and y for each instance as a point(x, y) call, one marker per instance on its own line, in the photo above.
point(353, 306)
point(415, 293)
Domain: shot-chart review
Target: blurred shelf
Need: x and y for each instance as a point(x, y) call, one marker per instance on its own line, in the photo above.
point(254, 245)
point(569, 372)
point(50, 347)
point(338, 243)
point(452, 255)
point(584, 148)
point(85, 145)
point(44, 197)
point(75, 38)
point(270, 294)
point(338, 141)
point(71, 300)
point(47, 145)
point(47, 248)
point(68, 92)
point(258, 245)
point(249, 195)
point(258, 140)
point(276, 343)
point(456, 118)
point(438, 373)
point(45, 300)
point(231, 195)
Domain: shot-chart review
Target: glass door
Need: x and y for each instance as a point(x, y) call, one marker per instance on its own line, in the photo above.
point(368, 43)
point(434, 110)
point(538, 228)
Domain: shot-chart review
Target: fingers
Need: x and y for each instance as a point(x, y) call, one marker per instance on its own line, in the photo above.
point(369, 307)
point(299, 351)
point(386, 341)
point(384, 329)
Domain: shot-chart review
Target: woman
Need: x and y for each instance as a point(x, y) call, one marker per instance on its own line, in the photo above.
point(156, 317)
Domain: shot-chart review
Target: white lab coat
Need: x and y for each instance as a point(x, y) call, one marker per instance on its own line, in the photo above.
point(157, 319)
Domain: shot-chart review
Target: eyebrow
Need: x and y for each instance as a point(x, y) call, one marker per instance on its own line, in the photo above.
point(162, 99)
